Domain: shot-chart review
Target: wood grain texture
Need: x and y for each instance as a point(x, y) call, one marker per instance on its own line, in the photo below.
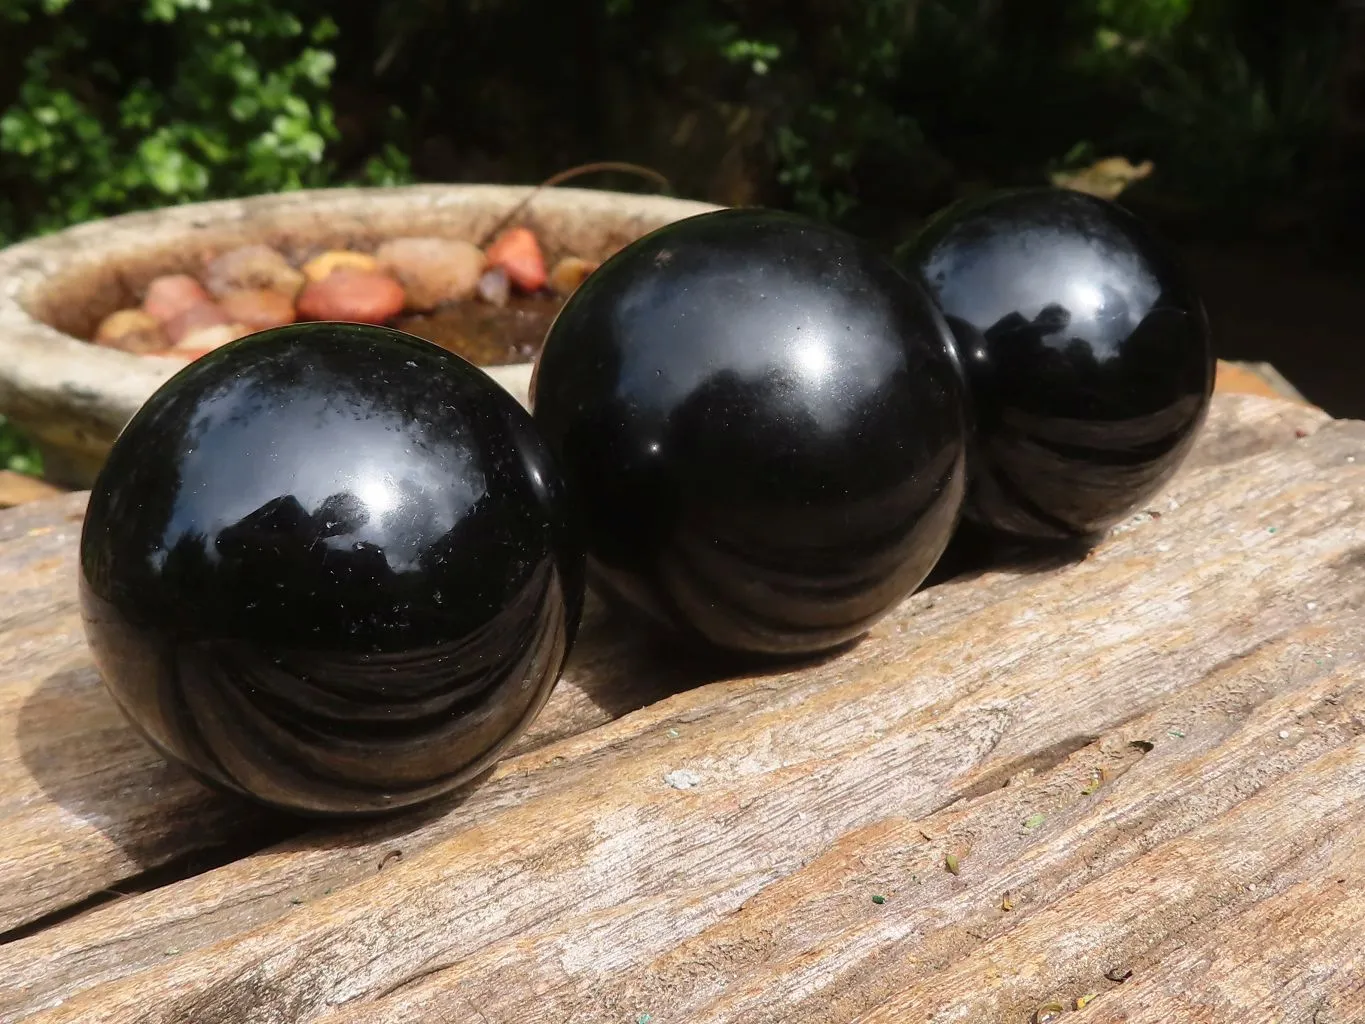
point(1148, 761)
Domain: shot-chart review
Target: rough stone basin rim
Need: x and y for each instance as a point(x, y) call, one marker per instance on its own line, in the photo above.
point(73, 397)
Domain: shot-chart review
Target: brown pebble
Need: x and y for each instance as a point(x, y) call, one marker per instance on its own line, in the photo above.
point(258, 308)
point(171, 294)
point(433, 271)
point(206, 314)
point(131, 330)
point(320, 267)
point(251, 267)
point(206, 339)
point(353, 296)
point(569, 273)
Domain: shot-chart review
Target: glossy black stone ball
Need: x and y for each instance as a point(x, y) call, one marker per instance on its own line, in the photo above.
point(1087, 354)
point(328, 567)
point(761, 423)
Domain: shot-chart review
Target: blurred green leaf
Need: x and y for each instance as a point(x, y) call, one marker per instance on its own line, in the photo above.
point(17, 453)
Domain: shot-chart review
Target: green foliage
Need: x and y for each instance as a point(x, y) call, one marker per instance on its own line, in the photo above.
point(1232, 134)
point(16, 452)
point(818, 77)
point(110, 105)
point(937, 94)
point(1231, 122)
point(162, 102)
point(850, 113)
point(1139, 20)
point(388, 167)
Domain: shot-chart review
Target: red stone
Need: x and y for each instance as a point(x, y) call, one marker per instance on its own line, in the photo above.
point(355, 296)
point(517, 252)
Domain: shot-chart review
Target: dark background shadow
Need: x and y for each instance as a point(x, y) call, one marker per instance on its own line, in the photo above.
point(1291, 305)
point(974, 551)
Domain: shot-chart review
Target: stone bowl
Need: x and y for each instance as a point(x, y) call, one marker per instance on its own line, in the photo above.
point(73, 397)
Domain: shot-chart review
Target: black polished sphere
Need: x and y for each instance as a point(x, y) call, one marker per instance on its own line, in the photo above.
point(1087, 355)
point(762, 424)
point(327, 567)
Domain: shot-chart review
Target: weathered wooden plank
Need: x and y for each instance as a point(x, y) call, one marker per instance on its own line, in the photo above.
point(96, 809)
point(84, 801)
point(1171, 891)
point(1295, 956)
point(88, 805)
point(577, 870)
point(816, 947)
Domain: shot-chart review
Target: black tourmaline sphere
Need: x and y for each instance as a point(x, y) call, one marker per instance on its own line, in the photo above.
point(327, 567)
point(1086, 351)
point(762, 424)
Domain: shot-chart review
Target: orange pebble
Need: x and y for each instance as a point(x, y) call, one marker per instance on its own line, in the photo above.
point(172, 294)
point(258, 308)
point(569, 273)
point(131, 330)
point(518, 253)
point(354, 296)
point(323, 266)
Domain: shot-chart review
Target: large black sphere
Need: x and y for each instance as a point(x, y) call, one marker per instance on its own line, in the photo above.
point(1086, 350)
point(327, 567)
point(762, 424)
